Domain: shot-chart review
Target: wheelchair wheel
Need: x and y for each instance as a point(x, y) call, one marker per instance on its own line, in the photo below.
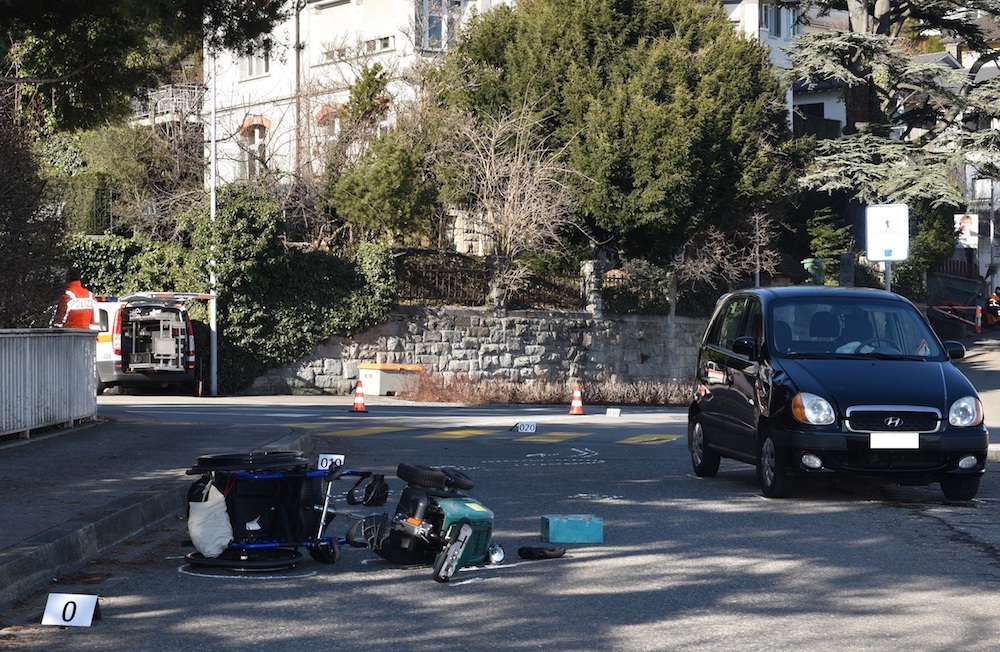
point(325, 553)
point(264, 559)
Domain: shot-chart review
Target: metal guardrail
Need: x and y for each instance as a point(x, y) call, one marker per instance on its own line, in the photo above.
point(47, 379)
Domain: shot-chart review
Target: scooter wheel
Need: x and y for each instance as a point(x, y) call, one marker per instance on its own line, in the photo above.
point(458, 480)
point(423, 476)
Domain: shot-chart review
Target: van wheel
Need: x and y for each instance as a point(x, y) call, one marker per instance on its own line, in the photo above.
point(960, 488)
point(704, 460)
point(774, 479)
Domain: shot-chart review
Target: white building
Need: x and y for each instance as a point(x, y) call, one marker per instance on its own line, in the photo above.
point(773, 26)
point(276, 114)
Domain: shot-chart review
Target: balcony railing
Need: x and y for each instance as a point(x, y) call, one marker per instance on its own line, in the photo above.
point(176, 102)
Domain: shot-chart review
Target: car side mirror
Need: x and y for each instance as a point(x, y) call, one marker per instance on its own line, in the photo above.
point(955, 349)
point(746, 346)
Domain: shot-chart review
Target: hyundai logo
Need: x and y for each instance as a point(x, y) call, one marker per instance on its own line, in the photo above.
point(893, 422)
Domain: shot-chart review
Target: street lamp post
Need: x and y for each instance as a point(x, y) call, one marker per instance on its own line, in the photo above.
point(213, 337)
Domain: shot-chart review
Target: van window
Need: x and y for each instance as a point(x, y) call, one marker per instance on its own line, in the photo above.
point(104, 321)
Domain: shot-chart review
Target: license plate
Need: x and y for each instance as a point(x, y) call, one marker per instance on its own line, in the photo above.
point(883, 440)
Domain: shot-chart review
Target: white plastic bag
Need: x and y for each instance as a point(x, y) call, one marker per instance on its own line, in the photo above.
point(208, 523)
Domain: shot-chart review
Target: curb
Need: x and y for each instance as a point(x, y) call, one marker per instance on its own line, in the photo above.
point(64, 548)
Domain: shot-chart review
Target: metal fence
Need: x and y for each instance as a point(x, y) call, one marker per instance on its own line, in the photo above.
point(47, 379)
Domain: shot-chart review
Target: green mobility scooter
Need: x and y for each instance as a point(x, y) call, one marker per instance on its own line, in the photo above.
point(436, 524)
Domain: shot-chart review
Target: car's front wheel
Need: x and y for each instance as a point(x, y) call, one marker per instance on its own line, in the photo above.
point(962, 488)
point(704, 460)
point(774, 479)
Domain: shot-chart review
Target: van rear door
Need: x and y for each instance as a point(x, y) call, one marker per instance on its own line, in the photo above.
point(154, 338)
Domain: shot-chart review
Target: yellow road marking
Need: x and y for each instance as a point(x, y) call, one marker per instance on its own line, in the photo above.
point(456, 434)
point(360, 432)
point(649, 439)
point(554, 437)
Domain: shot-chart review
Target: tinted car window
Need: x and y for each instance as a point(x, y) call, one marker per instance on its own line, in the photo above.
point(841, 326)
point(753, 324)
point(729, 324)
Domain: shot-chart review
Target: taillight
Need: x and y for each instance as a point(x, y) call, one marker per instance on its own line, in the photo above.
point(190, 332)
point(116, 332)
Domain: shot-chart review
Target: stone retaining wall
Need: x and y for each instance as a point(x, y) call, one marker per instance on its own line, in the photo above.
point(524, 345)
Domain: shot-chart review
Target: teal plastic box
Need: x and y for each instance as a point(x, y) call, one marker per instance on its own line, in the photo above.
point(572, 528)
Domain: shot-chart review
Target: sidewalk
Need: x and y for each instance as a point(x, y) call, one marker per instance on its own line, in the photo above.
point(69, 494)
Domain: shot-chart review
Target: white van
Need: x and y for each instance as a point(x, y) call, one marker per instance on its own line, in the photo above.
point(146, 339)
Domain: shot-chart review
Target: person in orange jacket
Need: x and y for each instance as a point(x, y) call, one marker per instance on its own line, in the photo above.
point(992, 314)
point(77, 306)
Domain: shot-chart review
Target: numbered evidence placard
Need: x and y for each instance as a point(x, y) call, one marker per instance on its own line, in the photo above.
point(71, 610)
point(329, 461)
point(887, 232)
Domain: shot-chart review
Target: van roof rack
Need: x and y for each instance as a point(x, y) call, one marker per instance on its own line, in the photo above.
point(171, 296)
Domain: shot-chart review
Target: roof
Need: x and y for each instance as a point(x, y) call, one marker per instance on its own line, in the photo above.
point(819, 292)
point(939, 58)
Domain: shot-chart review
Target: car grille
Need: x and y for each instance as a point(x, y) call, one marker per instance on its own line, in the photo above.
point(892, 420)
point(892, 461)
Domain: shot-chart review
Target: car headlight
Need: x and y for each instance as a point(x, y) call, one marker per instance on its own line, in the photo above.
point(966, 411)
point(812, 409)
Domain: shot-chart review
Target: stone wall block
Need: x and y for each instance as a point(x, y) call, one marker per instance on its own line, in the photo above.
point(559, 346)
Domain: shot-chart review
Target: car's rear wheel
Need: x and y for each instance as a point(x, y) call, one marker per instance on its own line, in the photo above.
point(964, 488)
point(774, 479)
point(704, 460)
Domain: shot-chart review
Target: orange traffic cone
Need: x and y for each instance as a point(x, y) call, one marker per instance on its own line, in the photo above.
point(359, 399)
point(577, 405)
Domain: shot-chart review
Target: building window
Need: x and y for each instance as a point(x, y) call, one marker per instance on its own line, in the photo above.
point(812, 109)
point(765, 16)
point(983, 188)
point(332, 53)
point(776, 26)
point(376, 45)
point(437, 23)
point(328, 119)
point(254, 66)
point(252, 140)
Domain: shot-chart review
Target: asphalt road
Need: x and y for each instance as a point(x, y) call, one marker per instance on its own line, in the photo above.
point(685, 564)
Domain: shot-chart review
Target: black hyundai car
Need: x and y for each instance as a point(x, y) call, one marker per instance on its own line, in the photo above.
point(818, 381)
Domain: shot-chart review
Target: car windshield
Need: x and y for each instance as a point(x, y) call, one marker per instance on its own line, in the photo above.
point(848, 328)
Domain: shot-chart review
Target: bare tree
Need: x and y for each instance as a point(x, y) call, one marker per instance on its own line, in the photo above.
point(516, 192)
point(721, 258)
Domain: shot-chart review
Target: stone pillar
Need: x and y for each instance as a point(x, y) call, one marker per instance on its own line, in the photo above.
point(590, 288)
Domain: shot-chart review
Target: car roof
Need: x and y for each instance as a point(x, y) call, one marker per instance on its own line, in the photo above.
point(818, 292)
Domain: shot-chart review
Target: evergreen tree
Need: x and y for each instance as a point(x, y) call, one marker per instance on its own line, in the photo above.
point(909, 125)
point(676, 121)
point(29, 237)
point(829, 237)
